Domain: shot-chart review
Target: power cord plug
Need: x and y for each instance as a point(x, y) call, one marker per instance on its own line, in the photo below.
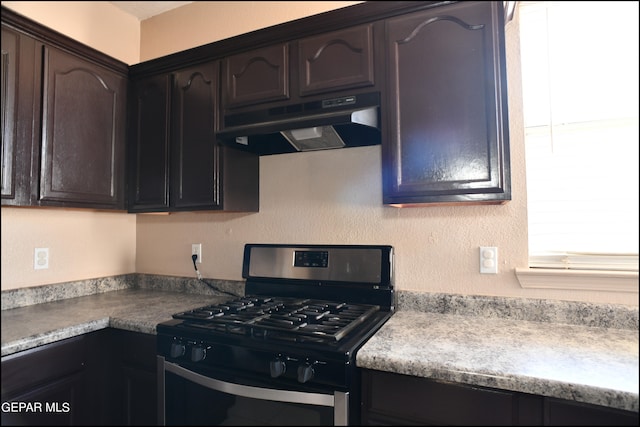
point(194, 258)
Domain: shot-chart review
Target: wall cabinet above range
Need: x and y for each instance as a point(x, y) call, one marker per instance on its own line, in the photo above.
point(328, 62)
point(337, 60)
point(174, 161)
point(257, 76)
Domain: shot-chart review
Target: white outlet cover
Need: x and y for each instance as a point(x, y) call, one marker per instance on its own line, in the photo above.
point(41, 258)
point(488, 260)
point(196, 249)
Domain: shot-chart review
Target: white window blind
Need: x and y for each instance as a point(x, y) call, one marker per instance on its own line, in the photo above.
point(580, 100)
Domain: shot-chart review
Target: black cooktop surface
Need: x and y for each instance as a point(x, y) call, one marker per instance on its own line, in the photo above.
point(279, 318)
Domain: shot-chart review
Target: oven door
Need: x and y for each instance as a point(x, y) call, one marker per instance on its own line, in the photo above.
point(186, 397)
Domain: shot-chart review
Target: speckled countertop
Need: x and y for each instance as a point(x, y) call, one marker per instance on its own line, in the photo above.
point(587, 364)
point(138, 310)
point(569, 350)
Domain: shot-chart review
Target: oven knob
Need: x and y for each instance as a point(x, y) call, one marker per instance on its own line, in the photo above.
point(177, 349)
point(277, 368)
point(305, 373)
point(198, 353)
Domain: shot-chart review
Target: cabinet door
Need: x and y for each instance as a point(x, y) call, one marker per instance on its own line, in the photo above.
point(257, 76)
point(149, 146)
point(337, 60)
point(83, 133)
point(50, 378)
point(133, 396)
point(396, 399)
point(447, 119)
point(195, 160)
point(559, 412)
point(19, 115)
point(174, 160)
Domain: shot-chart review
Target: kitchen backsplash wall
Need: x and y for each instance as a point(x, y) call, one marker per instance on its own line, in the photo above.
point(315, 197)
point(82, 245)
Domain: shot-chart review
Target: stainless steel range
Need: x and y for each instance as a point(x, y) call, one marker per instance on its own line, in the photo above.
point(284, 354)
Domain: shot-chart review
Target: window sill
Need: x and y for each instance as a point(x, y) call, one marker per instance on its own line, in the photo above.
point(587, 280)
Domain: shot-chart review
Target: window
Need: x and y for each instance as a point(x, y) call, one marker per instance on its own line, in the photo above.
point(580, 105)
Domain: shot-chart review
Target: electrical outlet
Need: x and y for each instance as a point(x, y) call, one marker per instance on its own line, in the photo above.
point(41, 258)
point(488, 260)
point(196, 249)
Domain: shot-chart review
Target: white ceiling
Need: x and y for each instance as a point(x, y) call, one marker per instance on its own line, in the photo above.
point(146, 9)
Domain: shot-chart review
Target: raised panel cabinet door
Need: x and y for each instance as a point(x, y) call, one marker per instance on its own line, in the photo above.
point(558, 412)
point(19, 104)
point(134, 392)
point(195, 159)
point(10, 70)
point(257, 76)
point(150, 144)
point(140, 396)
point(83, 133)
point(447, 134)
point(396, 399)
point(52, 379)
point(337, 60)
point(58, 403)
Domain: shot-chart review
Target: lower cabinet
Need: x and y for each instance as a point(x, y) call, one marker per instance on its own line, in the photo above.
point(559, 412)
point(46, 385)
point(395, 399)
point(106, 377)
point(133, 396)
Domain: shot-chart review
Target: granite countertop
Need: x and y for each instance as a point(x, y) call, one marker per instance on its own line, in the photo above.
point(138, 310)
point(588, 364)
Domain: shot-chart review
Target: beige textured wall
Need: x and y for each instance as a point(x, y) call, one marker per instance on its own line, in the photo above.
point(82, 245)
point(98, 24)
point(335, 196)
point(203, 22)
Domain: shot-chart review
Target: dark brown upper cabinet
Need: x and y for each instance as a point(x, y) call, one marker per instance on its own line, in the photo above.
point(447, 137)
point(438, 66)
point(337, 60)
point(175, 163)
point(257, 76)
point(83, 133)
point(294, 71)
point(64, 111)
point(149, 144)
point(19, 112)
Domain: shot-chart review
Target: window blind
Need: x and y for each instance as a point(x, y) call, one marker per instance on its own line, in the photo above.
point(580, 106)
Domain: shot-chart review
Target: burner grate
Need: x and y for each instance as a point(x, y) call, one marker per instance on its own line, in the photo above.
point(288, 319)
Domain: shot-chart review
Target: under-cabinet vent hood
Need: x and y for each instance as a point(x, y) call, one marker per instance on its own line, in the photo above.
point(349, 121)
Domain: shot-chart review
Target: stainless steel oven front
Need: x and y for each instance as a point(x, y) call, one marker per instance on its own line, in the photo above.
point(191, 398)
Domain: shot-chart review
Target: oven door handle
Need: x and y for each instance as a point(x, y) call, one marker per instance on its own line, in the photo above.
point(250, 391)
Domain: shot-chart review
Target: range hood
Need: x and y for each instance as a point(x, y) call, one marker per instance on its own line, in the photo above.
point(349, 121)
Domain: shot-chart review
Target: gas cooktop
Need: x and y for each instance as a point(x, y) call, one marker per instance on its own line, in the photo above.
point(279, 318)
